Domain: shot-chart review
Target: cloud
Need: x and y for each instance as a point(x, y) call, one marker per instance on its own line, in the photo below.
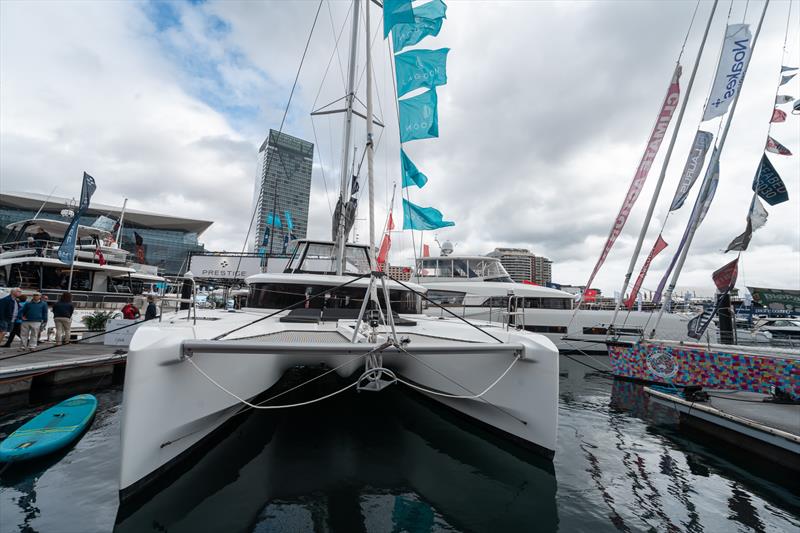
point(542, 122)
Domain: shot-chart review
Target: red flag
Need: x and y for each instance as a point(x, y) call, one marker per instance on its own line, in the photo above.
point(100, 258)
point(725, 277)
point(383, 253)
point(653, 144)
point(590, 295)
point(390, 224)
point(778, 116)
point(776, 148)
point(426, 250)
point(659, 245)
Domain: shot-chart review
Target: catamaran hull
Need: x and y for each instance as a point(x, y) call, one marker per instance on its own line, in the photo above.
point(169, 406)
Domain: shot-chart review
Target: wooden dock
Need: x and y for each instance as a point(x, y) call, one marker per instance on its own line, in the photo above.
point(51, 366)
point(744, 419)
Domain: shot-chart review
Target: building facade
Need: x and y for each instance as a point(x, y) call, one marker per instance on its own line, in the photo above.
point(522, 265)
point(165, 240)
point(282, 192)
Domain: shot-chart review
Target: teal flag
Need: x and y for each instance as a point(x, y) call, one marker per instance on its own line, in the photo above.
point(396, 12)
point(419, 118)
point(427, 21)
point(420, 68)
point(416, 217)
point(411, 175)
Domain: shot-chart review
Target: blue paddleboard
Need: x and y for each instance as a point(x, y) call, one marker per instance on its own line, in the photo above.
point(51, 430)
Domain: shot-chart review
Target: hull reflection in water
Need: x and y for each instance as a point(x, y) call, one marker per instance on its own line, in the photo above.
point(383, 462)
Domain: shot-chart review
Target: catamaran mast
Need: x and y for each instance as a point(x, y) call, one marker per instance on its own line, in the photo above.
point(370, 146)
point(664, 165)
point(341, 234)
point(707, 179)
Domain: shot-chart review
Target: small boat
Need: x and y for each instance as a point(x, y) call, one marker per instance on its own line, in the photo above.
point(51, 430)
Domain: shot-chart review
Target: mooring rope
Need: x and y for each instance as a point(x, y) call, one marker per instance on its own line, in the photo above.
point(458, 396)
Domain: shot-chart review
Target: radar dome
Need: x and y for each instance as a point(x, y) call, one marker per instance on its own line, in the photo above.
point(447, 248)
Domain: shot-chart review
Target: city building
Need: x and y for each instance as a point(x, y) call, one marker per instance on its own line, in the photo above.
point(403, 273)
point(166, 240)
point(522, 265)
point(282, 192)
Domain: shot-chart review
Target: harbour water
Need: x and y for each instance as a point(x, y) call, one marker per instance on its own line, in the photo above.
point(392, 462)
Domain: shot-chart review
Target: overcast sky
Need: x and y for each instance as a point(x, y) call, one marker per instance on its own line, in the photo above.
point(542, 123)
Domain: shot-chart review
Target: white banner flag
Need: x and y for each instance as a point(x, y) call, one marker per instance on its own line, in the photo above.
point(730, 71)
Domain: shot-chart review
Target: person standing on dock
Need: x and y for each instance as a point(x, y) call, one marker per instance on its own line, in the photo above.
point(9, 307)
point(33, 314)
point(62, 315)
point(17, 325)
point(151, 312)
point(130, 311)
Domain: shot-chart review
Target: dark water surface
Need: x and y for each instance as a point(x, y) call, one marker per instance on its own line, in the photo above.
point(390, 462)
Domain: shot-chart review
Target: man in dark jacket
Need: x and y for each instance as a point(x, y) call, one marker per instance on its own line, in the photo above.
point(151, 312)
point(33, 314)
point(8, 312)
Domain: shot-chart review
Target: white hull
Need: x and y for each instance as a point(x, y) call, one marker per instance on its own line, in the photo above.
point(571, 336)
point(169, 406)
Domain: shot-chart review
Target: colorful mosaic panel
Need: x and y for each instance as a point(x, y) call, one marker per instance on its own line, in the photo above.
point(715, 369)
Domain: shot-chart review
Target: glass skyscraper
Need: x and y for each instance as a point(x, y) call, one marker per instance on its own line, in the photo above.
point(282, 192)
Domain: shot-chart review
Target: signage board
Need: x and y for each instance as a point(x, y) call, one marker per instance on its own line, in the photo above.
point(122, 337)
point(224, 266)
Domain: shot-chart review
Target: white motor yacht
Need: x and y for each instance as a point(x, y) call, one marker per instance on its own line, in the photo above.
point(29, 260)
point(478, 287)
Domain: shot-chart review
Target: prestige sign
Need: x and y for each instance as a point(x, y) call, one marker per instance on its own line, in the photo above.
point(224, 266)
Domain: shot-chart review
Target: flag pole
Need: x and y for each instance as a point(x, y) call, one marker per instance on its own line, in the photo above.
point(707, 179)
point(370, 145)
point(664, 165)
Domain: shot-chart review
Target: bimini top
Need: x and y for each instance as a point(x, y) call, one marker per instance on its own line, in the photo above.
point(56, 228)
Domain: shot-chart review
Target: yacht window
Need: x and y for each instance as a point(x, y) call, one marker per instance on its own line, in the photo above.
point(446, 297)
point(460, 268)
point(319, 258)
point(445, 268)
point(294, 262)
point(495, 301)
point(356, 260)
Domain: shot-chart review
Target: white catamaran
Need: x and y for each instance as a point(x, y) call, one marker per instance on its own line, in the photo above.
point(187, 375)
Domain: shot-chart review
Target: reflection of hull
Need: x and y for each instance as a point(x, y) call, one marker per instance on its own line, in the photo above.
point(335, 460)
point(169, 406)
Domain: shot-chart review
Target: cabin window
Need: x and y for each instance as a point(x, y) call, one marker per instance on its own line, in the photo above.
point(280, 295)
point(547, 329)
point(446, 297)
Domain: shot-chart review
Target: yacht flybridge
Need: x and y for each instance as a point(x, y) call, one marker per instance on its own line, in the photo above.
point(187, 376)
point(478, 287)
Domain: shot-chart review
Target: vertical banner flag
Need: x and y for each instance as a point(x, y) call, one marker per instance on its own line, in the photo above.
point(659, 245)
point(776, 148)
point(396, 12)
point(422, 218)
point(411, 175)
point(694, 164)
point(653, 144)
point(701, 205)
point(428, 19)
point(419, 118)
point(420, 68)
point(730, 70)
point(768, 184)
point(426, 250)
point(66, 250)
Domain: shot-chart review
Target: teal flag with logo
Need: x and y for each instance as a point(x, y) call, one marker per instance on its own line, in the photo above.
point(411, 175)
point(420, 68)
point(396, 12)
point(427, 21)
point(416, 217)
point(419, 118)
